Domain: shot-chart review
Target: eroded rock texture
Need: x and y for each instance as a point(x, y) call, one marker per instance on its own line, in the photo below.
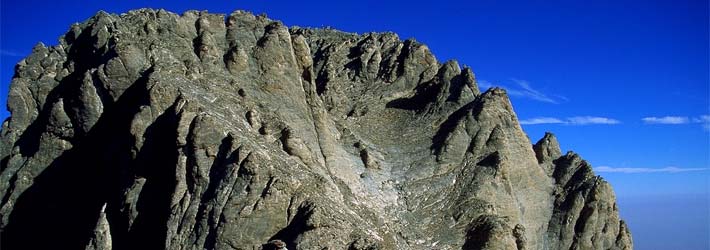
point(152, 130)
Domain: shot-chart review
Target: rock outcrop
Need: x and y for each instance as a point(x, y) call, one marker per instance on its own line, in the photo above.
point(152, 130)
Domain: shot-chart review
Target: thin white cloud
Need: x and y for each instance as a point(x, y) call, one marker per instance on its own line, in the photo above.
point(529, 92)
point(607, 169)
point(704, 120)
point(587, 120)
point(525, 90)
point(575, 120)
point(666, 120)
point(10, 53)
point(541, 120)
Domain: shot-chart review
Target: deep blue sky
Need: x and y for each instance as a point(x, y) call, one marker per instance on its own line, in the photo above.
point(623, 83)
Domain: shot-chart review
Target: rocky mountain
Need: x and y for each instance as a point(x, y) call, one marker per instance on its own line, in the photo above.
point(152, 130)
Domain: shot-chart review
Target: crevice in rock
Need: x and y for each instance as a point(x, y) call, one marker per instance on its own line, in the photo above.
point(156, 162)
point(218, 172)
point(492, 160)
point(8, 192)
point(403, 55)
point(458, 83)
point(424, 95)
point(297, 226)
point(321, 80)
point(438, 142)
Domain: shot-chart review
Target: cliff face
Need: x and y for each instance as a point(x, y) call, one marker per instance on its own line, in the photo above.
point(151, 130)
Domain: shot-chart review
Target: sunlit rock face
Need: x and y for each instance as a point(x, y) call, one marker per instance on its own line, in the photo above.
point(153, 130)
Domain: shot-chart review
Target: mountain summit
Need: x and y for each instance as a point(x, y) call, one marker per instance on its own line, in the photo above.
point(152, 130)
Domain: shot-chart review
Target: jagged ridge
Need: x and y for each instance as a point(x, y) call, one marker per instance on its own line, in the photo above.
point(162, 131)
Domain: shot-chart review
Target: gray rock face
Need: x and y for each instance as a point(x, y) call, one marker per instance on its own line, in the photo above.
point(152, 130)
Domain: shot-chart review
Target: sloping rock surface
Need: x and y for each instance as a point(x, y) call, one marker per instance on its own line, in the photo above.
point(152, 130)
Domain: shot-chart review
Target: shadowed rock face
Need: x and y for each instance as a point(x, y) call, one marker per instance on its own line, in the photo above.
point(152, 130)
